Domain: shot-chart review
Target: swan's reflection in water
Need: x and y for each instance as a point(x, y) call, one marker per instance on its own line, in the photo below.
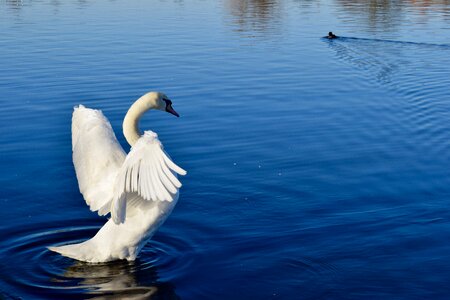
point(118, 280)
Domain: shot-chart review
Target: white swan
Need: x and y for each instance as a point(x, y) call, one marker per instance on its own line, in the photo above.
point(139, 189)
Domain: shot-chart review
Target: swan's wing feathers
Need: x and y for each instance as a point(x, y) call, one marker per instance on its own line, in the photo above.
point(97, 157)
point(147, 172)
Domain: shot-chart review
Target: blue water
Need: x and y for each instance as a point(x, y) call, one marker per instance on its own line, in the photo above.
point(317, 169)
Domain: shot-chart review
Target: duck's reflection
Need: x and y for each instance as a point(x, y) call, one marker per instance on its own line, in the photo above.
point(119, 280)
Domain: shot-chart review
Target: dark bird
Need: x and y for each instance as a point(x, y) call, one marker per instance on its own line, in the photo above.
point(331, 36)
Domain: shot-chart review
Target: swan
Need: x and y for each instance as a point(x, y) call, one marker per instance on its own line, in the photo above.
point(139, 190)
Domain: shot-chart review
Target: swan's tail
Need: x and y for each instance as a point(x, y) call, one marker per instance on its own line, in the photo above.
point(82, 251)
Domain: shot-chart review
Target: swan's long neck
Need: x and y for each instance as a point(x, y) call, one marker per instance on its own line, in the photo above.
point(131, 121)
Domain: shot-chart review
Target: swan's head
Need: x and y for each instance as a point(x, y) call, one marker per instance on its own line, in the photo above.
point(160, 101)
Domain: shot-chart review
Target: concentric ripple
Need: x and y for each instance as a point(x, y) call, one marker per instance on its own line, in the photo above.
point(39, 273)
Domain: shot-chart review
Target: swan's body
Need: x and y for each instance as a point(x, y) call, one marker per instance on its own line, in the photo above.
point(139, 189)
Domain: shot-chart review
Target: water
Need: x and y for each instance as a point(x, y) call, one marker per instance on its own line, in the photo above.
point(317, 169)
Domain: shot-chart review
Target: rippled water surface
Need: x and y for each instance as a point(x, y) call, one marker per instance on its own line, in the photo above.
point(317, 169)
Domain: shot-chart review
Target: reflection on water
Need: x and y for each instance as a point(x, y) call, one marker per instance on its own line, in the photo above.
point(117, 280)
point(384, 14)
point(14, 3)
point(14, 6)
point(389, 15)
point(19, 4)
point(255, 15)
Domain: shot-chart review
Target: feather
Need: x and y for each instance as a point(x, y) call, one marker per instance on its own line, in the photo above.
point(147, 172)
point(97, 157)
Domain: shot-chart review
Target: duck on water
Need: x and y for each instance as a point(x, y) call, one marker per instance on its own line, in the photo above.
point(331, 36)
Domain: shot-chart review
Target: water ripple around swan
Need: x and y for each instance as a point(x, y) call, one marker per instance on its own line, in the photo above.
point(52, 276)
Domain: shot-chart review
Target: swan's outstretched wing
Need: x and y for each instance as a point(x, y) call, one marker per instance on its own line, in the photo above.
point(97, 157)
point(147, 172)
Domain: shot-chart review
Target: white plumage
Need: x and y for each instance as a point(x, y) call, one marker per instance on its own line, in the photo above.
point(139, 189)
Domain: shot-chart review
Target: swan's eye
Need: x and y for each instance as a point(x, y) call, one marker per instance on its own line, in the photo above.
point(168, 102)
